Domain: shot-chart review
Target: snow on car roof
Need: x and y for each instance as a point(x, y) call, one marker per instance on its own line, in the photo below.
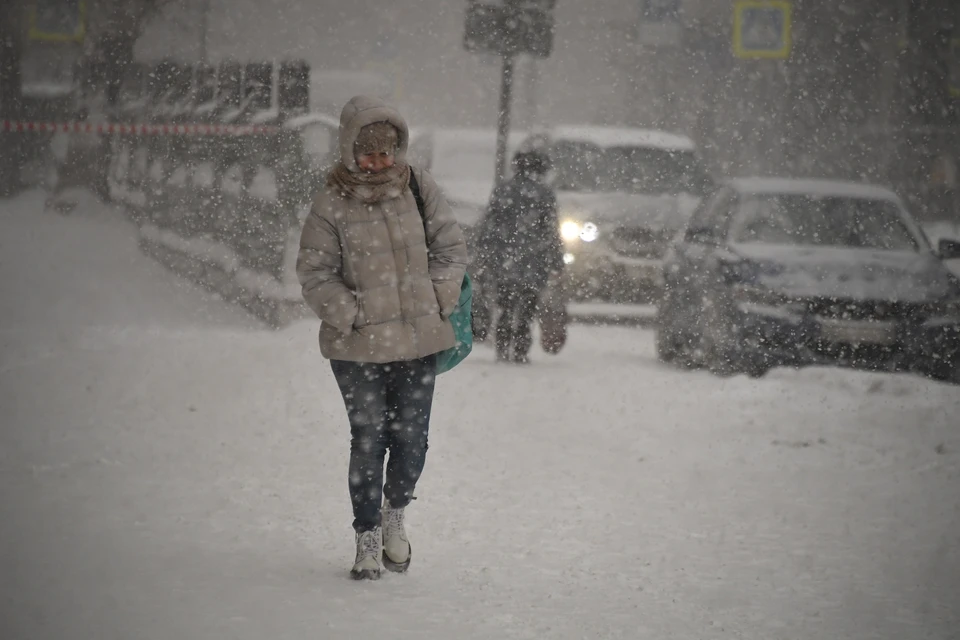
point(603, 136)
point(816, 187)
point(470, 135)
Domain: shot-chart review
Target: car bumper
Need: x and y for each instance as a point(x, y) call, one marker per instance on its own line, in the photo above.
point(596, 273)
point(772, 334)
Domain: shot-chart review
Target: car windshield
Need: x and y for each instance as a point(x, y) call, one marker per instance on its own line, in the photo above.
point(631, 169)
point(827, 221)
point(462, 161)
point(455, 155)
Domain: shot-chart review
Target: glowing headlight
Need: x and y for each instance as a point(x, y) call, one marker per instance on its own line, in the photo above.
point(571, 230)
point(589, 232)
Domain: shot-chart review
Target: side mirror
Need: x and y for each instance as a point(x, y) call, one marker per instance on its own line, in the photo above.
point(948, 249)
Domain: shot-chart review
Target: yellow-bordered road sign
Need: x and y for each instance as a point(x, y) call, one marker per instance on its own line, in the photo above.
point(58, 20)
point(761, 28)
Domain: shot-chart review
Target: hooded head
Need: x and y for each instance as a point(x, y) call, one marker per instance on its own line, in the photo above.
point(367, 124)
point(379, 137)
point(533, 163)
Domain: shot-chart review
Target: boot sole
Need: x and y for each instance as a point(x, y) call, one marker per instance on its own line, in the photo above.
point(397, 567)
point(365, 574)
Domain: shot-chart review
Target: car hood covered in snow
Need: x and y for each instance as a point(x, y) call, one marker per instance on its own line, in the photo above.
point(849, 273)
point(466, 191)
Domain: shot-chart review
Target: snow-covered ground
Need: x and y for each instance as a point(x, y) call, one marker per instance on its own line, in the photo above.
point(170, 469)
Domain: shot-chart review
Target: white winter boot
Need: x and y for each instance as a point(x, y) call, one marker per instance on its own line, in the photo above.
point(396, 547)
point(369, 548)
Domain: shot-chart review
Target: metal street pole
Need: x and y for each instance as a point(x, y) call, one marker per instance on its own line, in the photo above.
point(532, 90)
point(11, 51)
point(204, 22)
point(503, 119)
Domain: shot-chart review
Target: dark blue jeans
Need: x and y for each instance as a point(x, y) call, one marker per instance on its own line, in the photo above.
point(388, 406)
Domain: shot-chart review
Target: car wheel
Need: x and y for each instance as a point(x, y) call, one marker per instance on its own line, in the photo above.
point(666, 342)
point(945, 372)
point(715, 358)
point(669, 341)
point(720, 347)
point(756, 369)
point(713, 338)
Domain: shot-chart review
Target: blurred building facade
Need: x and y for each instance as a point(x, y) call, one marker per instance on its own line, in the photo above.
point(864, 94)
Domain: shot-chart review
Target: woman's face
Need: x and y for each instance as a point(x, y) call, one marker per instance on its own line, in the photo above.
point(375, 162)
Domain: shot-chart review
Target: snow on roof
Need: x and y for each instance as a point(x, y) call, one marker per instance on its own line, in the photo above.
point(315, 117)
point(268, 115)
point(481, 136)
point(46, 89)
point(604, 136)
point(807, 186)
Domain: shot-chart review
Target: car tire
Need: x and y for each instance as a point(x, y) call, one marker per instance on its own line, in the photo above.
point(668, 340)
point(946, 372)
point(666, 344)
point(721, 354)
point(756, 369)
point(712, 338)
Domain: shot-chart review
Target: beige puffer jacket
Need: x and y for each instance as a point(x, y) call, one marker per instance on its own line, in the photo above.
point(365, 269)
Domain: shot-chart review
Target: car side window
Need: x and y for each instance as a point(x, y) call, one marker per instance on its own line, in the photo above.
point(707, 221)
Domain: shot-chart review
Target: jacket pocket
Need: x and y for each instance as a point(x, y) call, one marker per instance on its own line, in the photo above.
point(448, 295)
point(361, 320)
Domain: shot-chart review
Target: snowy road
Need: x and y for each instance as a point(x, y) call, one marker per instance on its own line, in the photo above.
point(169, 469)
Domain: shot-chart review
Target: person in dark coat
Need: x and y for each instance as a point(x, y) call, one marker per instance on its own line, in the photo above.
point(519, 249)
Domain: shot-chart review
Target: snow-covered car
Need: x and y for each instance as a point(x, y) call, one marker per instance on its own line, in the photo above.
point(463, 162)
point(623, 194)
point(792, 272)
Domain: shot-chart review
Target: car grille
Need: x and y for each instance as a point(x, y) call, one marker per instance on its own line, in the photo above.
point(639, 242)
point(834, 309)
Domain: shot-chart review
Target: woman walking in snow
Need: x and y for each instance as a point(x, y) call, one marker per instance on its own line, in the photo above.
point(383, 279)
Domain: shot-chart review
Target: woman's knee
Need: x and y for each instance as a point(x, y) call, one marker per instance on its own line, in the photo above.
point(368, 439)
point(409, 437)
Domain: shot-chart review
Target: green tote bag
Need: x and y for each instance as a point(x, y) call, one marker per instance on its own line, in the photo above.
point(461, 316)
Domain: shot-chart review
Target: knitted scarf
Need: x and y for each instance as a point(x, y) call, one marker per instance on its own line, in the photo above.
point(369, 188)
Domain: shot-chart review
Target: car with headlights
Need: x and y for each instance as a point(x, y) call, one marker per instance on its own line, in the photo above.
point(623, 193)
point(771, 272)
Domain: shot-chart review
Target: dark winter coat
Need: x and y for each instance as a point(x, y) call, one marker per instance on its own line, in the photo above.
point(519, 242)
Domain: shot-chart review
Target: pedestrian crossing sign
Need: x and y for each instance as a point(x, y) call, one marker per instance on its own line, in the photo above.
point(761, 29)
